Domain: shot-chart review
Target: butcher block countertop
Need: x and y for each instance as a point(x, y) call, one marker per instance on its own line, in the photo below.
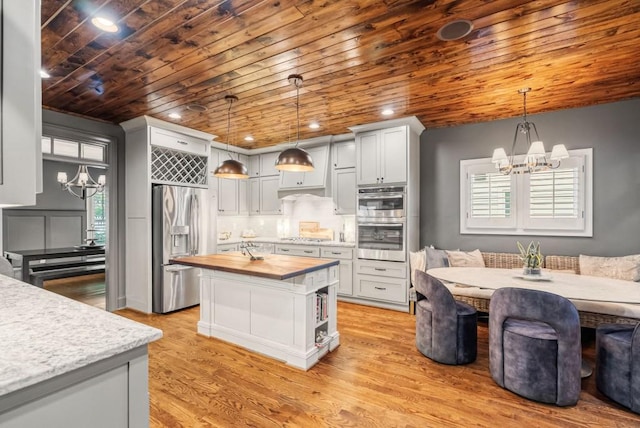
point(274, 266)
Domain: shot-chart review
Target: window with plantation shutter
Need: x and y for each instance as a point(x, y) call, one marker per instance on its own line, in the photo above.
point(556, 202)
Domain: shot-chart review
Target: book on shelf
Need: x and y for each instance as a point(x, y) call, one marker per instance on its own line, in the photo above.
point(321, 306)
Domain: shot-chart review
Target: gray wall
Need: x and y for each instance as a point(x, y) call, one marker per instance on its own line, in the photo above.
point(610, 129)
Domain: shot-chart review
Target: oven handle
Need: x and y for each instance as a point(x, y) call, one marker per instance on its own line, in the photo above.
point(382, 224)
point(380, 196)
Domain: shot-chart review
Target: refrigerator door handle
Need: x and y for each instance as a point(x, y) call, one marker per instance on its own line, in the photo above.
point(193, 206)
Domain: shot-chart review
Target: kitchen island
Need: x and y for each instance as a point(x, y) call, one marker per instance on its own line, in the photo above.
point(67, 364)
point(281, 306)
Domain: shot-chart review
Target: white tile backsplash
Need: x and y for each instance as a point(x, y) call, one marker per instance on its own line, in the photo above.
point(286, 225)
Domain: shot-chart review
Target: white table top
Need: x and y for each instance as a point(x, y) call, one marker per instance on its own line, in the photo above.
point(569, 285)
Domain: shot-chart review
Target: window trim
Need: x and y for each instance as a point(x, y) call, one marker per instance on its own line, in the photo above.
point(519, 201)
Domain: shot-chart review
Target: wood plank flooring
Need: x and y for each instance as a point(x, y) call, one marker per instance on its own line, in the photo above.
point(89, 289)
point(375, 378)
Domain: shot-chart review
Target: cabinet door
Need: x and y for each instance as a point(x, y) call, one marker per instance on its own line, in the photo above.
point(344, 155)
point(227, 196)
point(317, 177)
point(393, 151)
point(367, 157)
point(290, 179)
point(254, 166)
point(254, 196)
point(269, 202)
point(243, 197)
point(344, 191)
point(345, 286)
point(268, 164)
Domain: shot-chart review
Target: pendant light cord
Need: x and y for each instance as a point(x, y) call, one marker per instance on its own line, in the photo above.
point(298, 112)
point(230, 99)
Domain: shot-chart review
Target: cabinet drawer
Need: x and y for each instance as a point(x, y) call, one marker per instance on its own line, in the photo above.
point(336, 253)
point(177, 141)
point(226, 248)
point(294, 250)
point(393, 270)
point(375, 287)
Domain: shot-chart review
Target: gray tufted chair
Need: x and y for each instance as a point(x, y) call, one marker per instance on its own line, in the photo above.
point(534, 345)
point(618, 363)
point(446, 330)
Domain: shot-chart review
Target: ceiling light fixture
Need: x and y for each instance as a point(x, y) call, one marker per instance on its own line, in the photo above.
point(44, 74)
point(535, 159)
point(248, 138)
point(387, 112)
point(295, 159)
point(455, 30)
point(175, 116)
point(83, 181)
point(104, 24)
point(314, 125)
point(230, 168)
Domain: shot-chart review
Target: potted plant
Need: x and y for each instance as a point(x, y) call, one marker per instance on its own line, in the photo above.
point(531, 258)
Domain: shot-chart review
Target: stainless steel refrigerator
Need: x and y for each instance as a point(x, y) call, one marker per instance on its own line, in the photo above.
point(177, 228)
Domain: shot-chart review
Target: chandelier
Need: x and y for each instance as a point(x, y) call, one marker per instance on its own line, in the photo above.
point(295, 159)
point(85, 185)
point(230, 168)
point(536, 158)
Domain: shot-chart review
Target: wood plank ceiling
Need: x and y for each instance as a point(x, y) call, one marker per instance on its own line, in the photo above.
point(356, 56)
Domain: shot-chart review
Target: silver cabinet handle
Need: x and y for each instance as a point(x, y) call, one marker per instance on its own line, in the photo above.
point(182, 142)
point(380, 269)
point(284, 249)
point(308, 251)
point(336, 252)
point(380, 288)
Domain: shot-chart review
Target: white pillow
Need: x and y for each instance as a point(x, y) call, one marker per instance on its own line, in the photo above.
point(417, 260)
point(465, 259)
point(626, 267)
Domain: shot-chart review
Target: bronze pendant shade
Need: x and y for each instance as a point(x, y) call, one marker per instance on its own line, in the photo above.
point(295, 159)
point(231, 168)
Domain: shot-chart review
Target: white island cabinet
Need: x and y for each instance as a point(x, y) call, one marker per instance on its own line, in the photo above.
point(283, 306)
point(67, 364)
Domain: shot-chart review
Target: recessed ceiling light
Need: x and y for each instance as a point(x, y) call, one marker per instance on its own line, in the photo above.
point(196, 107)
point(248, 138)
point(44, 74)
point(104, 24)
point(175, 116)
point(455, 30)
point(314, 125)
point(387, 112)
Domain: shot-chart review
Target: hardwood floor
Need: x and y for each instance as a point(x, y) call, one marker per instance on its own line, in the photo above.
point(375, 378)
point(89, 289)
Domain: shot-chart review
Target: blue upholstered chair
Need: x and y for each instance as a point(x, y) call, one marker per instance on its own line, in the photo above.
point(618, 363)
point(446, 330)
point(534, 345)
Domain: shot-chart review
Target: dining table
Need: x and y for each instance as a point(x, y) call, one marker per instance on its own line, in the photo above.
point(27, 256)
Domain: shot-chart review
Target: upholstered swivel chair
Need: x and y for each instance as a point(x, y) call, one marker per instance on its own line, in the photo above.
point(618, 363)
point(534, 345)
point(446, 330)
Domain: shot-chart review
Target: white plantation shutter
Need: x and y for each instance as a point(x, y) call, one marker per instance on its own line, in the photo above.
point(556, 202)
point(489, 198)
point(556, 197)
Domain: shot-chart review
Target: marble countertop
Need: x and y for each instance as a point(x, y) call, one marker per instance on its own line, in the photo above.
point(285, 241)
point(43, 335)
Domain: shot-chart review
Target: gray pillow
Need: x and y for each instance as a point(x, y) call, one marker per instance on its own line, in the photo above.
point(436, 258)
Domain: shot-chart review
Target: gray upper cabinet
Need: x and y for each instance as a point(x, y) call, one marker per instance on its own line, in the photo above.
point(21, 124)
point(344, 190)
point(254, 166)
point(313, 179)
point(382, 156)
point(343, 155)
point(268, 164)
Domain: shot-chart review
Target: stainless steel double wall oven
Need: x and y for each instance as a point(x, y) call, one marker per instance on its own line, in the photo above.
point(382, 224)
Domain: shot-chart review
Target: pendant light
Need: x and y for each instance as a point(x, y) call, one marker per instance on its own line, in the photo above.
point(295, 159)
point(230, 168)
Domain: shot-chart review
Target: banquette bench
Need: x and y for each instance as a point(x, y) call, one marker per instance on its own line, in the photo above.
point(591, 313)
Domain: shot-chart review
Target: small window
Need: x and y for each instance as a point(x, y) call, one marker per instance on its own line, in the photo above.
point(92, 152)
point(46, 145)
point(65, 148)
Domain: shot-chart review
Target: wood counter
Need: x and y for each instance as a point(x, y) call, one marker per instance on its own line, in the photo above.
point(274, 266)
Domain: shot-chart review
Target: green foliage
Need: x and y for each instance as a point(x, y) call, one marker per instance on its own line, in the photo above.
point(531, 256)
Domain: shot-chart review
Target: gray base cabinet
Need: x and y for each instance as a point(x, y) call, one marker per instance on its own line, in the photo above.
point(107, 394)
